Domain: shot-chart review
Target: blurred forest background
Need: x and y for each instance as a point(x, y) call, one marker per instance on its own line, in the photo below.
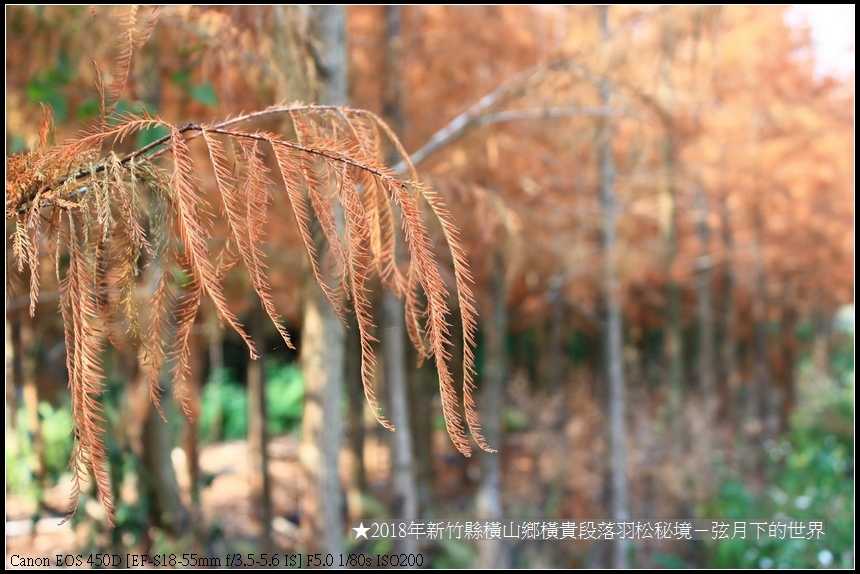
point(657, 206)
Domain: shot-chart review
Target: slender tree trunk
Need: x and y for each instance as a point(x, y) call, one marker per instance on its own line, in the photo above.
point(215, 341)
point(759, 312)
point(493, 554)
point(707, 384)
point(25, 347)
point(122, 366)
point(322, 358)
point(788, 355)
point(323, 342)
point(13, 381)
point(728, 346)
point(355, 422)
point(674, 361)
point(215, 338)
point(673, 339)
point(424, 385)
point(167, 510)
point(258, 437)
point(762, 369)
point(393, 333)
point(289, 25)
point(613, 337)
point(157, 441)
point(556, 339)
point(405, 501)
point(821, 344)
point(557, 367)
point(196, 379)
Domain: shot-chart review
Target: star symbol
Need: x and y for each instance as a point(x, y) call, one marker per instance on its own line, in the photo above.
point(360, 530)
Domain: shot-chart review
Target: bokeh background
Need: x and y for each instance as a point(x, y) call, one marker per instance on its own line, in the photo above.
point(657, 206)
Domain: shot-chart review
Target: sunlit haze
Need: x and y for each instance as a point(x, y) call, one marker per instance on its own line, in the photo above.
point(833, 32)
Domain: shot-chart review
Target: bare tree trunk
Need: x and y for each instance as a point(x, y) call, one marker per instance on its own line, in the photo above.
point(405, 502)
point(157, 444)
point(167, 510)
point(788, 348)
point(258, 437)
point(762, 369)
point(215, 339)
point(289, 28)
point(673, 339)
point(393, 332)
point(424, 385)
point(13, 381)
point(728, 347)
point(821, 343)
point(613, 337)
point(355, 423)
point(493, 553)
point(323, 342)
point(674, 362)
point(25, 347)
point(556, 339)
point(761, 405)
point(322, 358)
point(707, 385)
point(191, 440)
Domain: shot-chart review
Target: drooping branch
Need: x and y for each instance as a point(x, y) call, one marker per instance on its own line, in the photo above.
point(161, 145)
point(106, 200)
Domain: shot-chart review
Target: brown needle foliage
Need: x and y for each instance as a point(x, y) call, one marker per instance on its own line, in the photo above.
point(108, 218)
